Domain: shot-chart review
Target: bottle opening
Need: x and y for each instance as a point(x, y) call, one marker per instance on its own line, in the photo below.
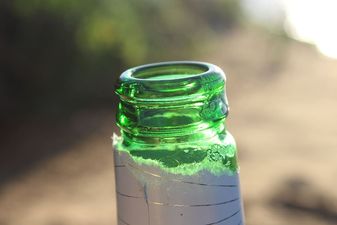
point(168, 72)
point(171, 99)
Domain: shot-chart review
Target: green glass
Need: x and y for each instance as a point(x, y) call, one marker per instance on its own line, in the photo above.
point(175, 162)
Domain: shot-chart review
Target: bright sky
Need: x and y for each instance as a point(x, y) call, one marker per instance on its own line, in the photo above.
point(313, 21)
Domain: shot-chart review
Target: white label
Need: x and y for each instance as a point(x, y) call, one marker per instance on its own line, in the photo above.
point(146, 195)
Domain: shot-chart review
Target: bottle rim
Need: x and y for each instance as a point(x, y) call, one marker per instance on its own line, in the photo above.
point(170, 81)
point(154, 71)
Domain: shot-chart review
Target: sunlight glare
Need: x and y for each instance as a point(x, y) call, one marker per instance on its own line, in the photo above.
point(313, 21)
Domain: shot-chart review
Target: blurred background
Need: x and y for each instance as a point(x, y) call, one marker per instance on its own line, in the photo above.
point(59, 61)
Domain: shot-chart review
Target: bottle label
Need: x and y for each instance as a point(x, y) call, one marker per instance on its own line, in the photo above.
point(148, 195)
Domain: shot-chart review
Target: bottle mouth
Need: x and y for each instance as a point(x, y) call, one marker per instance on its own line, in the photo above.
point(171, 98)
point(165, 71)
point(170, 81)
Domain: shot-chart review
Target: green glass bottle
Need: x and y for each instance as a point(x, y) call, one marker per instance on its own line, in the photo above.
point(175, 162)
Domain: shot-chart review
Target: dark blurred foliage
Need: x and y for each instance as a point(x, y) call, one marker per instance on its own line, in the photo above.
point(57, 56)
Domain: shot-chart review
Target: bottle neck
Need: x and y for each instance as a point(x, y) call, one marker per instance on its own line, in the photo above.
point(172, 102)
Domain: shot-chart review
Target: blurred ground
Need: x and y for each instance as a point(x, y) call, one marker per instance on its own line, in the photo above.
point(282, 96)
